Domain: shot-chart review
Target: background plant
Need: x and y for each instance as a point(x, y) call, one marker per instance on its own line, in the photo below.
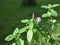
point(38, 32)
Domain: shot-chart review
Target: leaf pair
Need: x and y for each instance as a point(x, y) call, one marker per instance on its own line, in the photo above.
point(50, 13)
point(12, 36)
point(50, 6)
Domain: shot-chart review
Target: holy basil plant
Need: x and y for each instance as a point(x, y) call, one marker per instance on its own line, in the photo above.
point(37, 31)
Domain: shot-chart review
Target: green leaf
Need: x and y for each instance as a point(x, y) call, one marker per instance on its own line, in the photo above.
point(55, 5)
point(10, 37)
point(17, 36)
point(36, 36)
point(53, 21)
point(53, 13)
point(31, 25)
point(29, 35)
point(13, 43)
point(15, 31)
point(52, 27)
point(54, 36)
point(21, 41)
point(44, 6)
point(23, 29)
point(44, 15)
point(49, 14)
point(18, 42)
point(25, 21)
point(49, 5)
point(34, 30)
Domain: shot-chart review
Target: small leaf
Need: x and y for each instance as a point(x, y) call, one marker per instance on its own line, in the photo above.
point(34, 30)
point(21, 41)
point(54, 36)
point(31, 25)
point(44, 6)
point(15, 31)
point(55, 5)
point(52, 27)
point(44, 15)
point(13, 43)
point(25, 21)
point(53, 13)
point(18, 42)
point(49, 14)
point(29, 35)
point(49, 5)
point(17, 36)
point(36, 36)
point(23, 29)
point(10, 37)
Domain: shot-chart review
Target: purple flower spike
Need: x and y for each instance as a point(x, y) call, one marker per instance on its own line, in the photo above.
point(38, 19)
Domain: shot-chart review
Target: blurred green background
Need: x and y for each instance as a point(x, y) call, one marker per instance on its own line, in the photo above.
point(12, 11)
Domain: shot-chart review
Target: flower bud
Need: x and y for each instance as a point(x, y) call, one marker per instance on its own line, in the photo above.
point(38, 19)
point(54, 21)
